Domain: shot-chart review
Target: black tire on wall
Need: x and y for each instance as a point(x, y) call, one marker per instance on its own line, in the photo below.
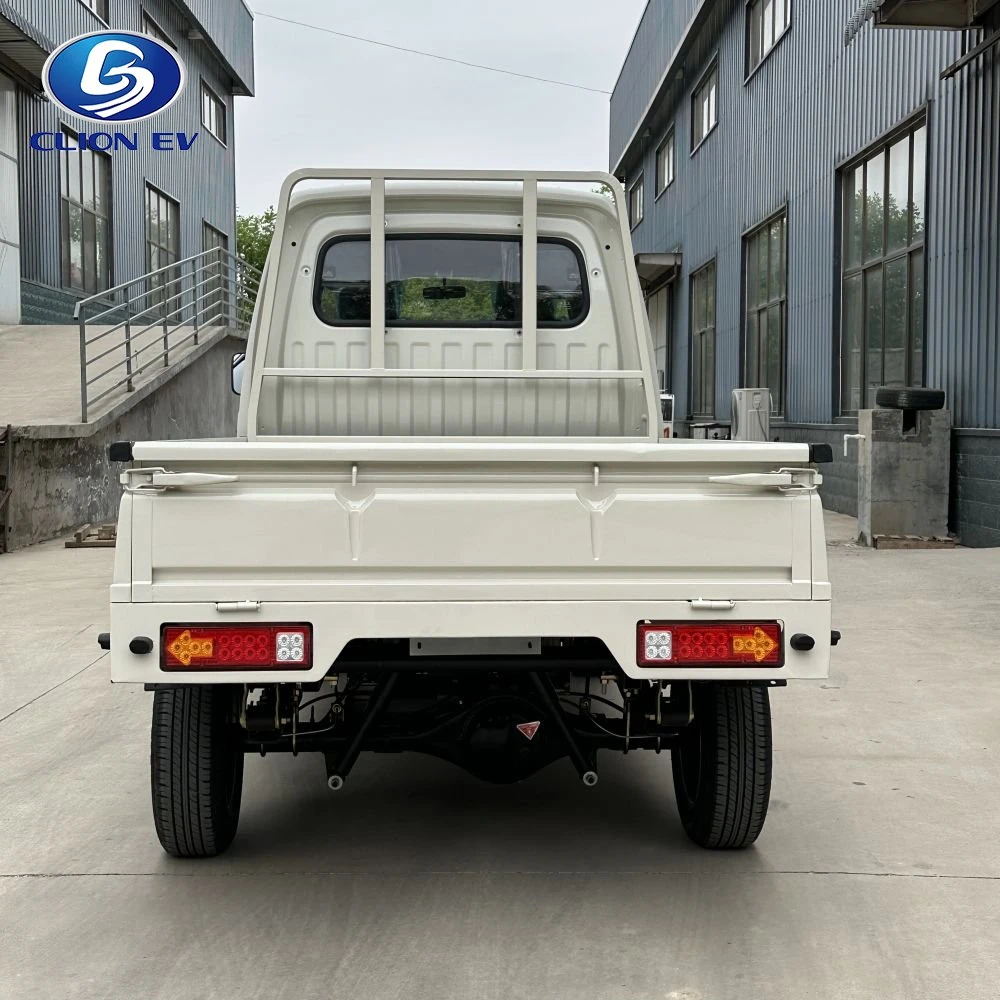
point(196, 768)
point(914, 398)
point(722, 769)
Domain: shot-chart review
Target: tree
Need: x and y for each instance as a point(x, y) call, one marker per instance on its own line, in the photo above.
point(253, 239)
point(253, 236)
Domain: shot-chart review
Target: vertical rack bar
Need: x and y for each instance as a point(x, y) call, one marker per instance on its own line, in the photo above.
point(529, 275)
point(377, 345)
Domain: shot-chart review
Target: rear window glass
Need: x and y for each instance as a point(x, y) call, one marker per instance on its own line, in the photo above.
point(442, 281)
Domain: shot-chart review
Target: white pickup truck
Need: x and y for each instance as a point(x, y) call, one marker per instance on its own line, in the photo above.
point(450, 522)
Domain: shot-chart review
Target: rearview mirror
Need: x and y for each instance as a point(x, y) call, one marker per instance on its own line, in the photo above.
point(239, 361)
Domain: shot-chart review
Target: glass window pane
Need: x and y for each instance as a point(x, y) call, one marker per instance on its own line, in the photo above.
point(854, 194)
point(64, 174)
point(89, 253)
point(780, 18)
point(754, 43)
point(152, 216)
point(87, 168)
point(710, 296)
point(874, 205)
point(919, 172)
point(851, 341)
point(916, 375)
point(773, 355)
point(783, 268)
point(102, 183)
point(761, 373)
point(768, 32)
point(897, 221)
point(895, 322)
point(709, 373)
point(103, 256)
point(753, 248)
point(73, 165)
point(64, 241)
point(774, 259)
point(75, 246)
point(751, 375)
point(764, 266)
point(873, 333)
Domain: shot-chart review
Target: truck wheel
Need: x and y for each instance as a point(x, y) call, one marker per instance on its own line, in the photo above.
point(196, 769)
point(722, 769)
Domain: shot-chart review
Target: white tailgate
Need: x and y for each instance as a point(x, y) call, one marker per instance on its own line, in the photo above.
point(480, 538)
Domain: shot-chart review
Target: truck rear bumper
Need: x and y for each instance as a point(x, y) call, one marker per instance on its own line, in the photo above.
point(337, 623)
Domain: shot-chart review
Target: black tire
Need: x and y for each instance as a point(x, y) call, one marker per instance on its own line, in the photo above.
point(722, 769)
point(910, 399)
point(196, 769)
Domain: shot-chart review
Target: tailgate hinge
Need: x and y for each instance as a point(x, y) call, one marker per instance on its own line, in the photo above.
point(786, 480)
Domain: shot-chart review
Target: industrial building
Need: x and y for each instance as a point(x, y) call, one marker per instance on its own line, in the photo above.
point(814, 189)
point(71, 223)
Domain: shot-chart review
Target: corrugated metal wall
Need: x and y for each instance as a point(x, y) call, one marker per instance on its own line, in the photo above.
point(201, 179)
point(812, 105)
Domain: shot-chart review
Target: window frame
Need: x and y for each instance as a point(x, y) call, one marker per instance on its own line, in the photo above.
point(710, 72)
point(670, 139)
point(210, 92)
point(168, 278)
point(750, 69)
point(781, 301)
point(513, 324)
point(700, 414)
point(638, 185)
point(865, 265)
point(148, 21)
point(76, 161)
point(93, 5)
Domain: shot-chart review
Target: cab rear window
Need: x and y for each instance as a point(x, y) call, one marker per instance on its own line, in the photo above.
point(450, 282)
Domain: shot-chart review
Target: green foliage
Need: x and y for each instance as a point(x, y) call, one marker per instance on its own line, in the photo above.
point(253, 237)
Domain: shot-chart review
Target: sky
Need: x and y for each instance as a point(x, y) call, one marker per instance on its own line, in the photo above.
point(327, 101)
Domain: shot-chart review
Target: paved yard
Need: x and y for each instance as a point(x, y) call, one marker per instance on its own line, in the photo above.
point(877, 875)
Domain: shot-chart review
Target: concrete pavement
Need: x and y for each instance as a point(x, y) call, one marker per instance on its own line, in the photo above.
point(877, 874)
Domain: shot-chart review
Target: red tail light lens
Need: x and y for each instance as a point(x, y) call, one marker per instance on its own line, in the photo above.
point(236, 647)
point(710, 644)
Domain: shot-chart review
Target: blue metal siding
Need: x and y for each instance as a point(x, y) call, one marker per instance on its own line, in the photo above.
point(202, 179)
point(812, 105)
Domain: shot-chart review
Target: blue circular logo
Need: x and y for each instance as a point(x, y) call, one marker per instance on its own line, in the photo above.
point(113, 76)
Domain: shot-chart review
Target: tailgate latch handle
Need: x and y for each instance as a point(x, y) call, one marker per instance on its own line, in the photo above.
point(159, 480)
point(700, 604)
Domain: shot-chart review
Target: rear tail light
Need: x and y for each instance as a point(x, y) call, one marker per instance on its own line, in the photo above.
point(710, 644)
point(235, 647)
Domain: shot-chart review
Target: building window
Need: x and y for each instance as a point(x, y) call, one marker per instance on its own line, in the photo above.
point(163, 241)
point(635, 203)
point(882, 250)
point(213, 112)
point(767, 21)
point(658, 309)
point(85, 230)
point(151, 28)
point(766, 254)
point(665, 164)
point(99, 7)
point(703, 341)
point(214, 301)
point(705, 107)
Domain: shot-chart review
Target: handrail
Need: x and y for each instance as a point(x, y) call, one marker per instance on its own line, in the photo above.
point(77, 309)
point(164, 310)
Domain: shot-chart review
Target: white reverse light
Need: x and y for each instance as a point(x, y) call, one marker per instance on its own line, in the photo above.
point(290, 646)
point(659, 645)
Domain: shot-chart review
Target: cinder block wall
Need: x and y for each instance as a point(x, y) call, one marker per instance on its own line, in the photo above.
point(61, 483)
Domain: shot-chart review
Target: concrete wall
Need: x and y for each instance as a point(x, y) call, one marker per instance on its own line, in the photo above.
point(61, 483)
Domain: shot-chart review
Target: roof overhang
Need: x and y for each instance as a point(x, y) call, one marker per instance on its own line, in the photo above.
point(657, 268)
point(23, 49)
point(955, 14)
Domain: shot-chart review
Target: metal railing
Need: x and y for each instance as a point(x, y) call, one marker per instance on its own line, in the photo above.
point(140, 325)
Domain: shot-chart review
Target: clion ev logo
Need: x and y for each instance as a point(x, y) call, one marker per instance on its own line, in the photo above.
point(113, 76)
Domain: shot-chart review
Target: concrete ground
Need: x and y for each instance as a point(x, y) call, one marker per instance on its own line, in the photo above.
point(877, 874)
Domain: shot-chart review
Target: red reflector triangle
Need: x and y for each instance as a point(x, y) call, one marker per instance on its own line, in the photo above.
point(528, 729)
